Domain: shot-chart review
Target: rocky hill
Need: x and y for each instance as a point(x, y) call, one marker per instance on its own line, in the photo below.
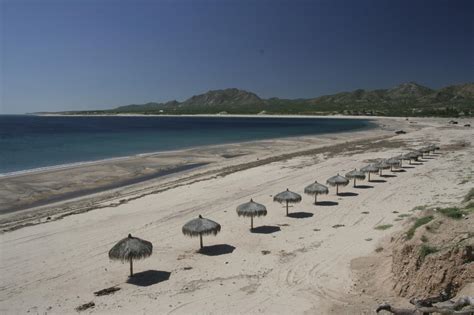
point(227, 97)
point(406, 99)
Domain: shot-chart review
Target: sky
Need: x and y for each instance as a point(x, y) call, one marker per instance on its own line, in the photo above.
point(83, 54)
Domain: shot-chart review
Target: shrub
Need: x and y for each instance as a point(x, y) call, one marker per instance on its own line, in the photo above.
point(426, 250)
point(453, 213)
point(383, 227)
point(418, 222)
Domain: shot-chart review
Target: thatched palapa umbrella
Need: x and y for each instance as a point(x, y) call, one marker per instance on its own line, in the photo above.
point(383, 166)
point(405, 157)
point(337, 181)
point(316, 189)
point(412, 156)
point(251, 209)
point(370, 169)
point(355, 174)
point(434, 147)
point(200, 227)
point(393, 162)
point(424, 150)
point(131, 248)
point(417, 154)
point(399, 158)
point(287, 197)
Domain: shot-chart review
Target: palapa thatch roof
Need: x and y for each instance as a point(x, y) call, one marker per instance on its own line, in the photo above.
point(383, 165)
point(287, 196)
point(316, 189)
point(337, 180)
point(434, 147)
point(131, 248)
point(406, 157)
point(393, 162)
point(251, 209)
point(413, 155)
point(417, 152)
point(371, 168)
point(424, 150)
point(201, 226)
point(355, 174)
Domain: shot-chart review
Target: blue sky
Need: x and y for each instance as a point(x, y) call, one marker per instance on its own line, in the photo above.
point(84, 54)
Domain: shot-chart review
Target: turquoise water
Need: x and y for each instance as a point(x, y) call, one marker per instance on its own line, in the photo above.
point(30, 142)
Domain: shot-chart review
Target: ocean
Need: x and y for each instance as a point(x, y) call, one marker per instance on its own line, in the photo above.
point(30, 142)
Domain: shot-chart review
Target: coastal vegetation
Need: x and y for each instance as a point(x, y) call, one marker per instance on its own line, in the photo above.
point(426, 250)
point(383, 227)
point(452, 212)
point(418, 222)
point(448, 252)
point(407, 99)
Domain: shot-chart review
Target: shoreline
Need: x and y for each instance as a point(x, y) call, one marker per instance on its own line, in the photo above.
point(215, 115)
point(299, 264)
point(212, 167)
point(102, 184)
point(329, 116)
point(371, 125)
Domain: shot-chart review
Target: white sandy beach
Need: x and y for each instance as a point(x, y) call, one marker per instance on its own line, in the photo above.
point(305, 266)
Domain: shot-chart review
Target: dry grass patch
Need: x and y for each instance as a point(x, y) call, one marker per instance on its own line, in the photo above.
point(383, 227)
point(418, 222)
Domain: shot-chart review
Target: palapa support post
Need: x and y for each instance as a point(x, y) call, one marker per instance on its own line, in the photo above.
point(131, 267)
point(287, 208)
point(251, 222)
point(369, 177)
point(337, 189)
point(354, 181)
point(315, 199)
point(200, 240)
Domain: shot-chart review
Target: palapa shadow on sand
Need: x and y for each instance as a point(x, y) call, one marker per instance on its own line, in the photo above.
point(327, 203)
point(266, 229)
point(388, 175)
point(300, 215)
point(149, 277)
point(363, 187)
point(348, 194)
point(416, 163)
point(398, 171)
point(408, 167)
point(378, 181)
point(217, 250)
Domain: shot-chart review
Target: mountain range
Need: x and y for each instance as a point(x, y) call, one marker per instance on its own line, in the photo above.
point(406, 99)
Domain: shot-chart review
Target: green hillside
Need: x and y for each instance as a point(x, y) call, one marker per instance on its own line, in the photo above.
point(407, 99)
